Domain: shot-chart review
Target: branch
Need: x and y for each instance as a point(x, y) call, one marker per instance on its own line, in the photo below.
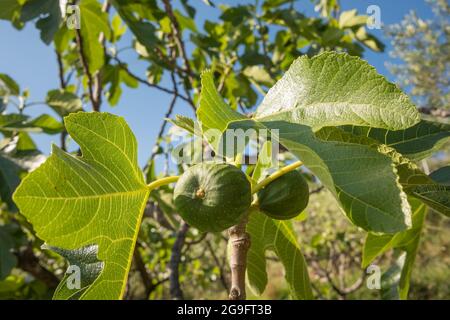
point(151, 85)
point(317, 190)
point(223, 278)
point(167, 115)
point(164, 124)
point(226, 73)
point(178, 39)
point(239, 244)
point(436, 112)
point(62, 81)
point(97, 85)
point(153, 210)
point(276, 175)
point(175, 258)
point(27, 261)
point(140, 266)
point(197, 241)
point(84, 63)
point(62, 84)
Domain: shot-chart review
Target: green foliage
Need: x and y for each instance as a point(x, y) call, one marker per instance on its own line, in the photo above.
point(357, 135)
point(9, 180)
point(8, 86)
point(63, 102)
point(422, 46)
point(7, 259)
point(114, 76)
point(213, 114)
point(93, 23)
point(185, 123)
point(49, 17)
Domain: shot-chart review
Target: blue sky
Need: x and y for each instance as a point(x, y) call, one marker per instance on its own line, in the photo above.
point(28, 60)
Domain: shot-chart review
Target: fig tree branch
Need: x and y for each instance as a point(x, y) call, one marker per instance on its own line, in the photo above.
point(239, 241)
point(140, 266)
point(85, 65)
point(151, 85)
point(175, 259)
point(62, 84)
point(178, 39)
point(222, 275)
point(167, 115)
point(27, 261)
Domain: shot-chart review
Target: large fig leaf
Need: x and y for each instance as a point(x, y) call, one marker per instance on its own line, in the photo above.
point(363, 180)
point(416, 143)
point(94, 200)
point(278, 236)
point(333, 89)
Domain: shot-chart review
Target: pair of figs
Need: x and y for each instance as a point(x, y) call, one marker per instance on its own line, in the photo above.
point(213, 197)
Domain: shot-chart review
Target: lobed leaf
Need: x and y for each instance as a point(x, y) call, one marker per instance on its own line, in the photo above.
point(94, 200)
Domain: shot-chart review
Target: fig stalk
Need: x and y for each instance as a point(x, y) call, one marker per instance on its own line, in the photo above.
point(276, 175)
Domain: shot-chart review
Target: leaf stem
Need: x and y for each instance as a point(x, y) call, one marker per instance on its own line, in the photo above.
point(162, 181)
point(276, 175)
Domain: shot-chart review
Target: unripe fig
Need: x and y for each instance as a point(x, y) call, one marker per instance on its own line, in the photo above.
point(212, 197)
point(286, 197)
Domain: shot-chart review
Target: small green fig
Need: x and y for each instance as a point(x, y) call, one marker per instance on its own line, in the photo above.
point(286, 197)
point(212, 197)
